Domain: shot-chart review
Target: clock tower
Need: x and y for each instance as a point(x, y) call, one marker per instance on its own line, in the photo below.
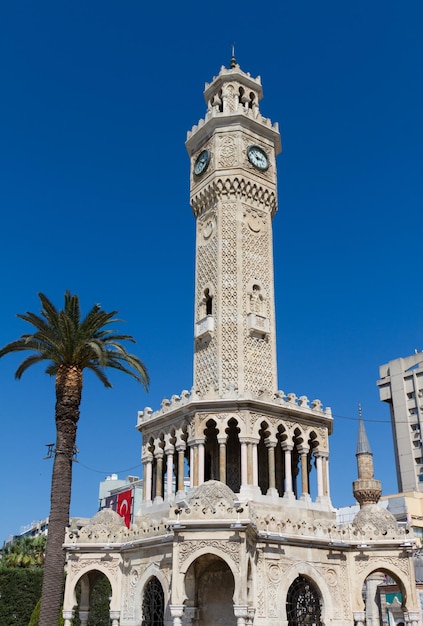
point(234, 426)
point(233, 196)
point(233, 522)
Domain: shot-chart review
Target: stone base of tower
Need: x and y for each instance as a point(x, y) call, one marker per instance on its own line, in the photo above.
point(212, 559)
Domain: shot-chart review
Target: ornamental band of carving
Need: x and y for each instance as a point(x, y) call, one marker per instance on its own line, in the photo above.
point(188, 548)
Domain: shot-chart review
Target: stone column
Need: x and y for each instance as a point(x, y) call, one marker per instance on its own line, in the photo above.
point(195, 468)
point(271, 445)
point(191, 465)
point(255, 464)
point(200, 462)
point(325, 474)
point(159, 476)
point(372, 598)
point(319, 471)
point(181, 467)
point(250, 618)
point(250, 463)
point(287, 449)
point(303, 452)
point(244, 478)
point(148, 476)
point(222, 459)
point(177, 611)
point(169, 472)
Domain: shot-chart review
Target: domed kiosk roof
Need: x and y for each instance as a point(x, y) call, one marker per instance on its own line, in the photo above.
point(106, 518)
point(373, 519)
point(211, 494)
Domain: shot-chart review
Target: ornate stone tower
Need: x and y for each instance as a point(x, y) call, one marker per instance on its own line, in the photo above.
point(233, 196)
point(234, 425)
point(236, 525)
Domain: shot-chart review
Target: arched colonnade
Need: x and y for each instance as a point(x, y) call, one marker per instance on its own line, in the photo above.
point(284, 459)
point(213, 593)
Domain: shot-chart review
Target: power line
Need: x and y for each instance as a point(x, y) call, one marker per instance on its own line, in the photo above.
point(122, 471)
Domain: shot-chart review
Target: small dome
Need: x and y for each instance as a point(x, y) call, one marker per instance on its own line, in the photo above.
point(375, 519)
point(106, 518)
point(210, 493)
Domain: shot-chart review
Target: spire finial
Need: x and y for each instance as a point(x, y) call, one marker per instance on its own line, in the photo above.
point(363, 446)
point(366, 489)
point(233, 59)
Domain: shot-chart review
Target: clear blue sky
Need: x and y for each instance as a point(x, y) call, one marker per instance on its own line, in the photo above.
point(94, 179)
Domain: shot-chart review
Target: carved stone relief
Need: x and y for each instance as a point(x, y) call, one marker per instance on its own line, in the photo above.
point(227, 151)
point(230, 548)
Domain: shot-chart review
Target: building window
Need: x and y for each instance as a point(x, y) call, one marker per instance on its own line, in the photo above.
point(153, 604)
point(303, 606)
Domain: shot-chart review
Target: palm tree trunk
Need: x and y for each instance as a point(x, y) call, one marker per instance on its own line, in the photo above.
point(68, 399)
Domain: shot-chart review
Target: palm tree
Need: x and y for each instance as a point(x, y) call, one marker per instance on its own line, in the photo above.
point(24, 552)
point(70, 345)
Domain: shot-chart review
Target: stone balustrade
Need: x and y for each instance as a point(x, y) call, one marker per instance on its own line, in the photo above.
point(279, 399)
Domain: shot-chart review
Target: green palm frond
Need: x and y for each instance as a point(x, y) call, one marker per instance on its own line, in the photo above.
point(62, 338)
point(30, 360)
point(99, 372)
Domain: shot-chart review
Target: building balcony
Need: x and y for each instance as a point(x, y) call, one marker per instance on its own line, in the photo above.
point(258, 325)
point(204, 328)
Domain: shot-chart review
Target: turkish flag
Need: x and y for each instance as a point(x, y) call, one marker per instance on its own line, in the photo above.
point(124, 506)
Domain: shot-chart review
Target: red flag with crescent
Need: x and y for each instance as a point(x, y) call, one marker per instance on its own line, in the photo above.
point(124, 506)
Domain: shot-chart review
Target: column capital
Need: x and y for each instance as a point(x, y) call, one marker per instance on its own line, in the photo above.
point(270, 444)
point(413, 617)
point(287, 447)
point(249, 440)
point(147, 458)
point(197, 441)
point(241, 610)
point(181, 446)
point(359, 618)
point(303, 449)
point(114, 615)
point(176, 610)
point(323, 454)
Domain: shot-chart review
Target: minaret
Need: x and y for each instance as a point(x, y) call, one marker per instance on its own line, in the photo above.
point(233, 197)
point(366, 489)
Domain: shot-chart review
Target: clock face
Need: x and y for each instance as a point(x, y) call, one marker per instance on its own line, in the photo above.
point(201, 162)
point(258, 158)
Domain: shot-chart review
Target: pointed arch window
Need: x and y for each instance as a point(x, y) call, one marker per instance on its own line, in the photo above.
point(153, 604)
point(303, 605)
point(208, 299)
